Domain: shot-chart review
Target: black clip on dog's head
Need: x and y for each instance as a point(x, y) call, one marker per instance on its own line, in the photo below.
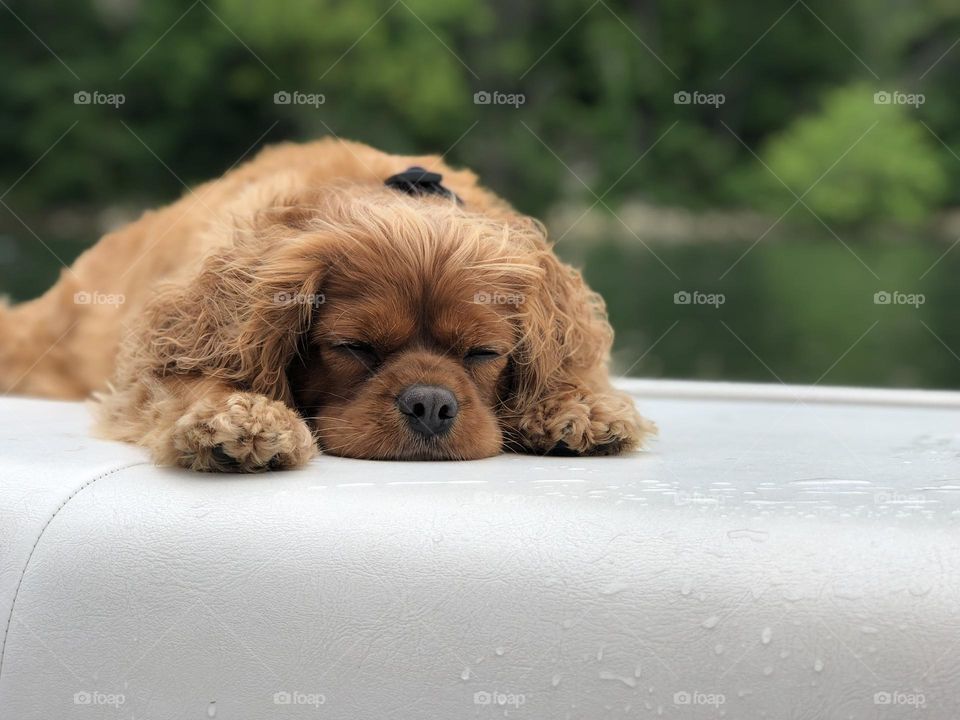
point(418, 181)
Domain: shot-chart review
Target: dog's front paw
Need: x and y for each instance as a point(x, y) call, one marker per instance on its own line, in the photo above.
point(245, 433)
point(585, 423)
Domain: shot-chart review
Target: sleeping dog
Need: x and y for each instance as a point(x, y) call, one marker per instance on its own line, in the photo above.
point(327, 296)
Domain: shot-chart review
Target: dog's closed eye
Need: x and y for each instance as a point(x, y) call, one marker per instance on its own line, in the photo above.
point(480, 355)
point(357, 349)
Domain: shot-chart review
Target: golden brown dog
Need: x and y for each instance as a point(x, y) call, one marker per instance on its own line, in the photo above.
point(298, 300)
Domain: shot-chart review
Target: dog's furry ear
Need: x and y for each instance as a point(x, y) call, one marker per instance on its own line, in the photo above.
point(565, 339)
point(242, 318)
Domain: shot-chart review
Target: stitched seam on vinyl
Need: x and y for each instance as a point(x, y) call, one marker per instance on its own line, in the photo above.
point(26, 565)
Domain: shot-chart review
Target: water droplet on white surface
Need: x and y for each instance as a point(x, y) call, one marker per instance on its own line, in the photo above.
point(555, 680)
point(818, 665)
point(766, 635)
point(499, 651)
point(607, 675)
point(636, 671)
point(758, 536)
point(768, 671)
point(711, 622)
point(212, 709)
point(600, 653)
point(686, 587)
point(465, 675)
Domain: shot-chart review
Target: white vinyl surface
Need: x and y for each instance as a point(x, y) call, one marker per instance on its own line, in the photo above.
point(778, 553)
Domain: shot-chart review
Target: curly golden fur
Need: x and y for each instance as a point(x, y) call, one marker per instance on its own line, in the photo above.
point(291, 302)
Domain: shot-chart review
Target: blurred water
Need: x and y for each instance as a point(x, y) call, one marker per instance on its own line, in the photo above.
point(804, 310)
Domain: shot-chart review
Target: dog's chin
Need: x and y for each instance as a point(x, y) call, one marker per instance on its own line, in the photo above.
point(414, 448)
point(394, 441)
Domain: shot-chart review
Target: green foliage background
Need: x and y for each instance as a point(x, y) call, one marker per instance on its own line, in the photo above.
point(799, 120)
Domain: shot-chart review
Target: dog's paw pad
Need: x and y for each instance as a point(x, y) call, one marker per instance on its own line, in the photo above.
point(221, 458)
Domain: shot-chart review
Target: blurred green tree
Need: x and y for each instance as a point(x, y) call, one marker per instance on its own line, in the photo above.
point(862, 159)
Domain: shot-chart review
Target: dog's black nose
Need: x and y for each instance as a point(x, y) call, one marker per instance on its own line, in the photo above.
point(430, 409)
